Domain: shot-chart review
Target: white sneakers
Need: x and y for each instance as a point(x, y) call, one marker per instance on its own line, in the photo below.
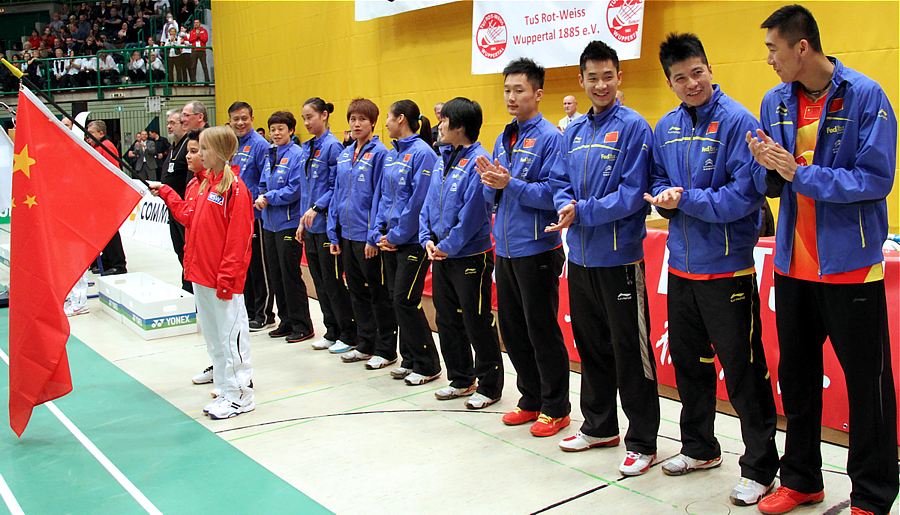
point(415, 379)
point(478, 401)
point(354, 355)
point(582, 442)
point(748, 492)
point(682, 464)
point(339, 347)
point(636, 463)
point(322, 344)
point(376, 362)
point(223, 408)
point(400, 373)
point(204, 377)
point(448, 392)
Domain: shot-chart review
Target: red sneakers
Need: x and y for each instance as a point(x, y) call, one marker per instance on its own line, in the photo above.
point(784, 500)
point(548, 426)
point(518, 416)
point(859, 511)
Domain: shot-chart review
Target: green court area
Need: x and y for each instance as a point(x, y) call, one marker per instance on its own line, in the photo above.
point(172, 460)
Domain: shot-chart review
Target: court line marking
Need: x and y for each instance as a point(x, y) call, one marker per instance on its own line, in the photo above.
point(110, 467)
point(11, 503)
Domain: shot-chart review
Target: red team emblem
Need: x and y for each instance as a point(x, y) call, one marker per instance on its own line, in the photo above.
point(318, 153)
point(529, 142)
point(367, 156)
point(407, 157)
point(462, 162)
point(713, 128)
point(491, 36)
point(611, 137)
point(623, 17)
point(247, 148)
point(284, 161)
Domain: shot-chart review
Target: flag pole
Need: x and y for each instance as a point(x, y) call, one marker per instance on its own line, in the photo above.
point(31, 86)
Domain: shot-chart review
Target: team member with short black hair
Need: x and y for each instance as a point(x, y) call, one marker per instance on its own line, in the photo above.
point(529, 260)
point(319, 156)
point(831, 158)
point(279, 200)
point(253, 159)
point(404, 185)
point(703, 177)
point(599, 195)
point(351, 220)
point(455, 229)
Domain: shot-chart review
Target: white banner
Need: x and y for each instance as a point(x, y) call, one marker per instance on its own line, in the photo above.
point(6, 164)
point(149, 223)
point(371, 9)
point(552, 33)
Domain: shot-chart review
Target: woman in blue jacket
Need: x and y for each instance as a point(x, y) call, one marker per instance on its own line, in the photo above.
point(279, 200)
point(404, 185)
point(351, 222)
point(319, 159)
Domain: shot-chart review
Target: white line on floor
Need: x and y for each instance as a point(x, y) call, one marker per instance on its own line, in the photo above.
point(11, 503)
point(110, 467)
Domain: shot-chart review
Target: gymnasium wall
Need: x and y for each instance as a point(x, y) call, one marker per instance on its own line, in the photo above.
point(277, 54)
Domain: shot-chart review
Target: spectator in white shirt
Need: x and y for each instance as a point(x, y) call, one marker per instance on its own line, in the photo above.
point(60, 67)
point(137, 68)
point(157, 70)
point(73, 70)
point(109, 70)
point(168, 26)
point(570, 106)
point(88, 74)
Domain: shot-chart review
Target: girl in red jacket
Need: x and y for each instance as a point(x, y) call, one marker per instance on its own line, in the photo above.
point(216, 257)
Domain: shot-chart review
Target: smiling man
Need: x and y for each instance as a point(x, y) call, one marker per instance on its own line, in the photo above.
point(703, 178)
point(831, 158)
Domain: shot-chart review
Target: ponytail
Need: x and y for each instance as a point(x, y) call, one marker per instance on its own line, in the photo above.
point(417, 123)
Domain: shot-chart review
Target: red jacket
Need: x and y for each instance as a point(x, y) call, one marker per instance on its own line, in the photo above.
point(199, 35)
point(217, 248)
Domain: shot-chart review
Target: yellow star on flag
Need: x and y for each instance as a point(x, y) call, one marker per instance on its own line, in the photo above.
point(30, 201)
point(22, 162)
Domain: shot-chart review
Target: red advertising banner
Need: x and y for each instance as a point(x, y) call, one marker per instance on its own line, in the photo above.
point(835, 404)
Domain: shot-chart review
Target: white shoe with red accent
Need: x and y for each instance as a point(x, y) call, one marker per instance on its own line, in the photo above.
point(682, 464)
point(636, 463)
point(582, 442)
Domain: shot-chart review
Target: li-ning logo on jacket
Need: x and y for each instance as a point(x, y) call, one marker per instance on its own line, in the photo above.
point(215, 198)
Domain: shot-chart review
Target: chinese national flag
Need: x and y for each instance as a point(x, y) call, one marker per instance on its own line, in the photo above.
point(68, 201)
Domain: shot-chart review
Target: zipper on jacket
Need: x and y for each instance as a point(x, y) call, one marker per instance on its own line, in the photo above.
point(393, 202)
point(862, 234)
point(584, 194)
point(726, 239)
point(687, 166)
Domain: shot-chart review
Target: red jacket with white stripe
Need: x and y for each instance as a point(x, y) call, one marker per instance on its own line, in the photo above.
point(217, 247)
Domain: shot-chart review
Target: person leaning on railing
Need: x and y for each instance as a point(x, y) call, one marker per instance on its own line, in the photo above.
point(137, 68)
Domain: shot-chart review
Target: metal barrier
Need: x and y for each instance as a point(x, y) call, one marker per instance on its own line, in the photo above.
point(112, 70)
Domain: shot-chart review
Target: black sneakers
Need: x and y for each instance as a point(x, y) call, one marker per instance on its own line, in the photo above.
point(279, 332)
point(299, 337)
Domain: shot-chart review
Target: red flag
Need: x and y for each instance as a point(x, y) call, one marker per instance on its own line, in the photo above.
point(68, 201)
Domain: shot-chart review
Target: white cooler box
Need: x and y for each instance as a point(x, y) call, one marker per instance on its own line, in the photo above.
point(149, 307)
point(4, 254)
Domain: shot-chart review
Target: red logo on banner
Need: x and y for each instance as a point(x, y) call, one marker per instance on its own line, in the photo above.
point(491, 36)
point(713, 128)
point(623, 17)
point(529, 142)
point(836, 105)
point(611, 137)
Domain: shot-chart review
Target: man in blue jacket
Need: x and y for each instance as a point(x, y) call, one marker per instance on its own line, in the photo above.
point(599, 196)
point(831, 157)
point(455, 230)
point(703, 177)
point(529, 260)
point(253, 158)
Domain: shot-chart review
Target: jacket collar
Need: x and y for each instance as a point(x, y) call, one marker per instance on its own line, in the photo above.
point(705, 110)
point(402, 144)
point(597, 118)
point(789, 91)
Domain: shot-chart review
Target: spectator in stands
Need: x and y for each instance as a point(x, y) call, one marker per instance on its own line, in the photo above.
point(32, 66)
point(56, 23)
point(174, 55)
point(35, 39)
point(113, 23)
point(135, 34)
point(100, 11)
point(198, 38)
point(84, 10)
point(72, 46)
point(167, 27)
point(73, 70)
point(156, 70)
point(87, 75)
point(186, 11)
point(152, 48)
point(161, 6)
point(48, 37)
point(187, 72)
point(434, 128)
point(91, 47)
point(262, 132)
point(60, 69)
point(137, 68)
